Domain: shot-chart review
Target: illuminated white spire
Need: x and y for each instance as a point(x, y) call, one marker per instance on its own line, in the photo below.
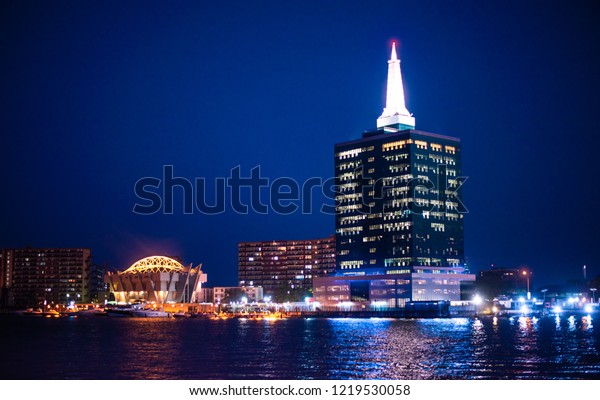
point(395, 111)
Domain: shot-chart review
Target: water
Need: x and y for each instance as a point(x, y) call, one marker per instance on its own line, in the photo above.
point(131, 348)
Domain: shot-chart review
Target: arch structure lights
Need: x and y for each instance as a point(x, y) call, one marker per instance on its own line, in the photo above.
point(154, 264)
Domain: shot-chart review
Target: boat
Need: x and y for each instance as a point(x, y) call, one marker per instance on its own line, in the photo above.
point(89, 312)
point(181, 315)
point(73, 314)
point(119, 312)
point(50, 313)
point(149, 313)
point(30, 312)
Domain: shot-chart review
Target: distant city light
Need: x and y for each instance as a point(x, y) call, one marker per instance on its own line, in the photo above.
point(588, 308)
point(477, 300)
point(524, 309)
point(557, 309)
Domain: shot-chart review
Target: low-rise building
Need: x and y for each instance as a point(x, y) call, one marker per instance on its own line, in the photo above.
point(157, 279)
point(228, 294)
point(511, 282)
point(394, 289)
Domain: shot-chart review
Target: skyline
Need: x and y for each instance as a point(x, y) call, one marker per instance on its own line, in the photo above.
point(96, 97)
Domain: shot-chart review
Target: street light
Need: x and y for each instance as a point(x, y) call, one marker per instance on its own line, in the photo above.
point(544, 291)
point(528, 292)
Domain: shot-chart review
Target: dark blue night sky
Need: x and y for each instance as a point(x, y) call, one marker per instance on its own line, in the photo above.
point(96, 95)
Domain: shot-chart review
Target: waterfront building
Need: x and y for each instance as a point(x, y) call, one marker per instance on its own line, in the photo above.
point(283, 267)
point(511, 282)
point(253, 294)
point(229, 294)
point(32, 277)
point(205, 295)
point(157, 279)
point(399, 212)
point(98, 287)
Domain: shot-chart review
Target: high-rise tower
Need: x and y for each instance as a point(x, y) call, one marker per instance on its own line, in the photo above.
point(398, 210)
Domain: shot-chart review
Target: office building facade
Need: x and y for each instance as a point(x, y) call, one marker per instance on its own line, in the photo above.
point(399, 211)
point(399, 202)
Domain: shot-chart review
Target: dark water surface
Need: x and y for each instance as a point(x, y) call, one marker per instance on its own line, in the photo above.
point(131, 348)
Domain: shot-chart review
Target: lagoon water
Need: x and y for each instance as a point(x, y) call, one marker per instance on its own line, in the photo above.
point(459, 348)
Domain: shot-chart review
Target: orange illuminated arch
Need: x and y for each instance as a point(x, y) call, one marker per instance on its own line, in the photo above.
point(154, 264)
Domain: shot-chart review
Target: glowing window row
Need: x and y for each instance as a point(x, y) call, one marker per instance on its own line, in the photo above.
point(352, 220)
point(396, 157)
point(348, 208)
point(397, 145)
point(348, 197)
point(397, 226)
point(353, 230)
point(352, 264)
point(397, 262)
point(368, 239)
point(349, 153)
point(349, 165)
point(348, 186)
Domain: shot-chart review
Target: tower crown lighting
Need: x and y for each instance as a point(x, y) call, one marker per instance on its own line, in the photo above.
point(395, 112)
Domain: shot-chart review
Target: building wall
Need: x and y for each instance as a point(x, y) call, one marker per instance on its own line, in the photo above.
point(438, 283)
point(206, 295)
point(227, 294)
point(31, 276)
point(98, 288)
point(391, 290)
point(503, 281)
point(159, 287)
point(394, 208)
point(279, 265)
point(253, 294)
point(6, 298)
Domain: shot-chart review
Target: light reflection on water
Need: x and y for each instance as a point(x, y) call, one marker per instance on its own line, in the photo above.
point(377, 348)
